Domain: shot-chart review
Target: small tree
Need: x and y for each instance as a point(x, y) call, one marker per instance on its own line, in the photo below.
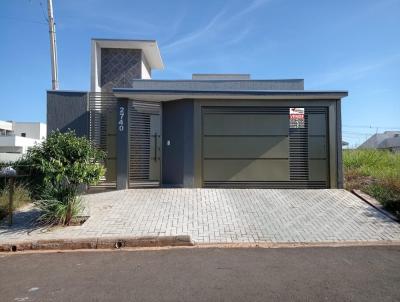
point(61, 164)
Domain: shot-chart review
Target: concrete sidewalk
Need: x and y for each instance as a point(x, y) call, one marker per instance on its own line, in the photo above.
point(212, 216)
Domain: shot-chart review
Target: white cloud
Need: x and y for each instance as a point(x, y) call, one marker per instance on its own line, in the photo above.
point(254, 5)
point(217, 24)
point(197, 34)
point(353, 72)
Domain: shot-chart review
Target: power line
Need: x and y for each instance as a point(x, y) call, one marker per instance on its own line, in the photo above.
point(371, 127)
point(356, 132)
point(22, 20)
point(43, 13)
point(17, 19)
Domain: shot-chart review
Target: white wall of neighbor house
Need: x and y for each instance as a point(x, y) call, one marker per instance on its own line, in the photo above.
point(16, 144)
point(9, 157)
point(32, 130)
point(18, 137)
point(13, 147)
point(6, 126)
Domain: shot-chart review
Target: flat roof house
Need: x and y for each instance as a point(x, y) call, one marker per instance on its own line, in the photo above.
point(17, 137)
point(215, 130)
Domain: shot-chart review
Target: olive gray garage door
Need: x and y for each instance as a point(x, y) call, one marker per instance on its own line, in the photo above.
point(255, 147)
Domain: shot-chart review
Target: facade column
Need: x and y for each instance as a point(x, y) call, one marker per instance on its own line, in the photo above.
point(122, 144)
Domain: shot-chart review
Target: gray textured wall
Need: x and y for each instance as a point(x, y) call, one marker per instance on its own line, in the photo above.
point(68, 110)
point(119, 67)
point(219, 84)
point(177, 160)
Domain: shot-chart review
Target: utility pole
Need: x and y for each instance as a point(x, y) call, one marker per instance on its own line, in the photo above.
point(53, 46)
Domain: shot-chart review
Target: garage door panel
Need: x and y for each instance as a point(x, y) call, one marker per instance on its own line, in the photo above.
point(254, 147)
point(317, 124)
point(318, 170)
point(246, 170)
point(246, 147)
point(317, 147)
point(245, 124)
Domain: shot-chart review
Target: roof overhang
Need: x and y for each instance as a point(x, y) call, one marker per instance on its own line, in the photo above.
point(171, 95)
point(149, 48)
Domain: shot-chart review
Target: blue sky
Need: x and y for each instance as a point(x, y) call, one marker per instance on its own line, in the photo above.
point(351, 45)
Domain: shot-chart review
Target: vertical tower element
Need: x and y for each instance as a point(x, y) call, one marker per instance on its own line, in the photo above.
point(119, 67)
point(53, 46)
point(117, 63)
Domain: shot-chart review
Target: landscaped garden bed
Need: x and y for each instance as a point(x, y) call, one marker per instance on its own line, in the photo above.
point(52, 175)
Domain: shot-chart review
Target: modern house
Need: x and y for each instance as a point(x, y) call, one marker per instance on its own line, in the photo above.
point(214, 130)
point(17, 137)
point(389, 140)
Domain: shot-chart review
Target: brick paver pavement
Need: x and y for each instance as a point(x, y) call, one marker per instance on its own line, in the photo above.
point(221, 216)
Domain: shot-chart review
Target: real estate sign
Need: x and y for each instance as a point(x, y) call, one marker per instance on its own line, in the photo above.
point(296, 117)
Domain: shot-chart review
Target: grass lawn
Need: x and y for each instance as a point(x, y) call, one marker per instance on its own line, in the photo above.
point(21, 198)
point(376, 173)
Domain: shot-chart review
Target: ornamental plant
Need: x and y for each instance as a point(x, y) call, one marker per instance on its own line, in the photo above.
point(60, 167)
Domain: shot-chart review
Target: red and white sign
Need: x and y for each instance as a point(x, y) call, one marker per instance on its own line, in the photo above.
point(296, 117)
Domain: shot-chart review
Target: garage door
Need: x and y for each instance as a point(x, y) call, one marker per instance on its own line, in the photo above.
point(255, 147)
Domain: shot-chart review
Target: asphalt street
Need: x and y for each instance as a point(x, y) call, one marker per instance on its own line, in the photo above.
point(199, 274)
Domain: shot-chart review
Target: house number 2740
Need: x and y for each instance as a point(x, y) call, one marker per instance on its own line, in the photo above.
point(121, 119)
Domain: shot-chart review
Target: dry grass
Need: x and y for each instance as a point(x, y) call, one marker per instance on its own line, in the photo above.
point(377, 173)
point(21, 198)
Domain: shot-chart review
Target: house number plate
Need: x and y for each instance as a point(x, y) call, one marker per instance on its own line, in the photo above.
point(121, 119)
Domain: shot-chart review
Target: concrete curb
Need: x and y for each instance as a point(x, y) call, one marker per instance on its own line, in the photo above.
point(373, 202)
point(261, 245)
point(96, 243)
point(277, 245)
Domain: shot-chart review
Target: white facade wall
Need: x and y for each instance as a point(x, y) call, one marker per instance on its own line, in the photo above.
point(9, 157)
point(6, 125)
point(146, 70)
point(13, 145)
point(31, 130)
point(5, 128)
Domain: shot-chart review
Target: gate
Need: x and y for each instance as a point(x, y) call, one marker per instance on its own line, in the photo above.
point(103, 131)
point(144, 144)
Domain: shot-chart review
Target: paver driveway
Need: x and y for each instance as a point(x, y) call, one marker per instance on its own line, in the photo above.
point(226, 215)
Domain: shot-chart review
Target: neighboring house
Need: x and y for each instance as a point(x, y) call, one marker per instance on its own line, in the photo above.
point(214, 130)
point(389, 140)
point(17, 137)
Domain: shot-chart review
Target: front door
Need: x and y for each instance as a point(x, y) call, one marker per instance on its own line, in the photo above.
point(155, 147)
point(144, 144)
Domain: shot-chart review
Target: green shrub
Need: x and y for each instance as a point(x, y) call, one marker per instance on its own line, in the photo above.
point(387, 191)
point(58, 212)
point(59, 166)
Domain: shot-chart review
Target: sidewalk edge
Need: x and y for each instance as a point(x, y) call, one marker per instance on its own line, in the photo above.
point(374, 203)
point(96, 243)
